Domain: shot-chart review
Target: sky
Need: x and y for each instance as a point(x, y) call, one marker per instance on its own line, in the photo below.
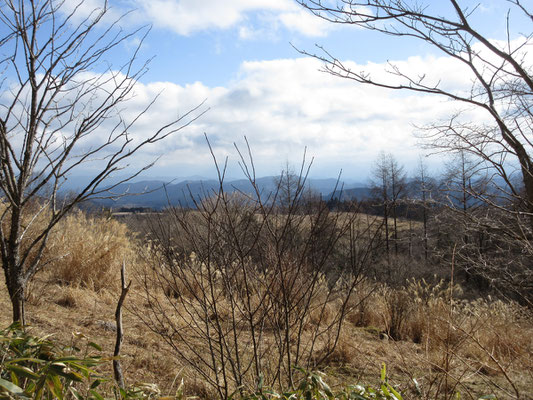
point(239, 59)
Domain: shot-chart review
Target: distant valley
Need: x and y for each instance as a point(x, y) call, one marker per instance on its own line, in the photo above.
point(158, 194)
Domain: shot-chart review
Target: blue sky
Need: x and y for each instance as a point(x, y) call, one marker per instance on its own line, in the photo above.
point(238, 57)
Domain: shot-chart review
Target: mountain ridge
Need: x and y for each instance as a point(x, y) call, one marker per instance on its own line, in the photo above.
point(158, 194)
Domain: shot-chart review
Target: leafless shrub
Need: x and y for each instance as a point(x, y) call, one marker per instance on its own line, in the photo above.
point(249, 289)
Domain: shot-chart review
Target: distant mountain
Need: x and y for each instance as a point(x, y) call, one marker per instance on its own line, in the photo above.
point(76, 183)
point(357, 193)
point(158, 194)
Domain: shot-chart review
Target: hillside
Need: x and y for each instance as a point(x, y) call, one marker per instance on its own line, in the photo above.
point(158, 194)
point(445, 336)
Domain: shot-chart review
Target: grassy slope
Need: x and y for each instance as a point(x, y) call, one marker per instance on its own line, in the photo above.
point(60, 310)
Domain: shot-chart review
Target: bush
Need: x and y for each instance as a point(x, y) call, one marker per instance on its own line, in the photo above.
point(313, 387)
point(34, 367)
point(37, 368)
point(248, 289)
point(88, 251)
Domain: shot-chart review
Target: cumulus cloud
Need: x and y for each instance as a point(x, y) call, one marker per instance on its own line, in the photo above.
point(79, 11)
point(186, 17)
point(305, 23)
point(283, 106)
point(252, 18)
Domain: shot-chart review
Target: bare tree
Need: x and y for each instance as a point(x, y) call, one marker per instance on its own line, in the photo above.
point(389, 186)
point(463, 183)
point(491, 245)
point(398, 191)
point(502, 81)
point(381, 192)
point(246, 287)
point(501, 89)
point(52, 102)
point(423, 196)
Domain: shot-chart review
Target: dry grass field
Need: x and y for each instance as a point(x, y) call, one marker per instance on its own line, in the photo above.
point(433, 340)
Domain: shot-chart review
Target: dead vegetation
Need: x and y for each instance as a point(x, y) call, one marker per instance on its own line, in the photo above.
point(231, 289)
point(246, 288)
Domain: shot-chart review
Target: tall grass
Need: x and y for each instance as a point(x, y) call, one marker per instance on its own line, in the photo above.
point(88, 251)
point(231, 285)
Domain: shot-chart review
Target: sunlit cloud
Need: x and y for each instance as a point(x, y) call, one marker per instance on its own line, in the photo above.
point(186, 17)
point(284, 106)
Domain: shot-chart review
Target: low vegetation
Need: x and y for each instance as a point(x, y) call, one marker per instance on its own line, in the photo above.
point(36, 367)
point(242, 299)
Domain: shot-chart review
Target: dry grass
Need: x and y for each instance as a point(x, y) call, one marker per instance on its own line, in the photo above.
point(81, 250)
point(445, 343)
point(88, 251)
point(358, 356)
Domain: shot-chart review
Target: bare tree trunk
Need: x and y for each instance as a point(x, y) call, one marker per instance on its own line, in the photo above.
point(386, 221)
point(16, 295)
point(117, 368)
point(410, 238)
point(395, 222)
point(425, 218)
point(13, 272)
point(16, 286)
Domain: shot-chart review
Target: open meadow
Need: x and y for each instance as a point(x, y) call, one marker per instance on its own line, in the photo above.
point(234, 293)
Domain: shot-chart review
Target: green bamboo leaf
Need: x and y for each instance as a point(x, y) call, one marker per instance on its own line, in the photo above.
point(75, 393)
point(30, 388)
point(97, 395)
point(39, 393)
point(22, 371)
point(325, 386)
point(11, 387)
point(68, 359)
point(54, 385)
point(95, 346)
point(14, 378)
point(356, 396)
point(71, 376)
point(397, 395)
point(20, 360)
point(97, 382)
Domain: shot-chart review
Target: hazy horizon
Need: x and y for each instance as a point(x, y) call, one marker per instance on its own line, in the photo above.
point(238, 60)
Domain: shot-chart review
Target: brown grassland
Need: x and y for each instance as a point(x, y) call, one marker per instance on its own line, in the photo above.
point(434, 338)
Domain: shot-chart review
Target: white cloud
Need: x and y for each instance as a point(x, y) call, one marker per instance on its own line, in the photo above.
point(282, 106)
point(186, 17)
point(79, 10)
point(267, 27)
point(305, 23)
point(189, 16)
